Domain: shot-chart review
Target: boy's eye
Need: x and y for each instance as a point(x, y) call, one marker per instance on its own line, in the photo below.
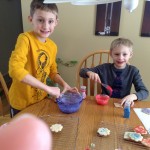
point(124, 54)
point(51, 21)
point(40, 20)
point(116, 54)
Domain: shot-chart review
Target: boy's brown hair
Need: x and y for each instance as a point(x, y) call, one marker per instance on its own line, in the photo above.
point(121, 41)
point(38, 4)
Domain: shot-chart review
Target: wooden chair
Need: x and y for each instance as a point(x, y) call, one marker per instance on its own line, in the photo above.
point(91, 60)
point(3, 89)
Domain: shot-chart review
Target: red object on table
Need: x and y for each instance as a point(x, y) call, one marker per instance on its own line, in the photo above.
point(140, 129)
point(102, 99)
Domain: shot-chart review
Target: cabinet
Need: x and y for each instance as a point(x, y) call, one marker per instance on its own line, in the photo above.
point(10, 27)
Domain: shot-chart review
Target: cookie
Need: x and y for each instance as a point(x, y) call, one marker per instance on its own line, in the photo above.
point(140, 129)
point(146, 142)
point(103, 132)
point(133, 136)
point(137, 137)
point(126, 136)
point(56, 127)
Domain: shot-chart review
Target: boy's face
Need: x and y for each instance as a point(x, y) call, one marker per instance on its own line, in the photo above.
point(43, 23)
point(121, 56)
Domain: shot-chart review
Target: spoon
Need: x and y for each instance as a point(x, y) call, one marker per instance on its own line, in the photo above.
point(108, 87)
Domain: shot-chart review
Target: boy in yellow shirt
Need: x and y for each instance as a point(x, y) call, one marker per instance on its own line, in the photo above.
point(33, 60)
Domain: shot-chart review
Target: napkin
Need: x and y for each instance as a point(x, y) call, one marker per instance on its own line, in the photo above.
point(145, 118)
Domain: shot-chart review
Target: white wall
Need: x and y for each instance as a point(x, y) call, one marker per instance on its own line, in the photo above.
point(75, 37)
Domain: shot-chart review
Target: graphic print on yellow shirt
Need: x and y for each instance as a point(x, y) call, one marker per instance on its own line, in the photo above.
point(42, 63)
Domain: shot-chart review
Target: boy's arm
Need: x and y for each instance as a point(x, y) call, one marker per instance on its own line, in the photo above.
point(58, 79)
point(83, 72)
point(141, 90)
point(90, 73)
point(93, 76)
point(18, 58)
point(30, 80)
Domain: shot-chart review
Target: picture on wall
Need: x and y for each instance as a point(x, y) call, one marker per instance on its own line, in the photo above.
point(145, 30)
point(108, 19)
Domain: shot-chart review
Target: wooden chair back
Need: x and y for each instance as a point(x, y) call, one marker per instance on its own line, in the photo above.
point(91, 60)
point(3, 88)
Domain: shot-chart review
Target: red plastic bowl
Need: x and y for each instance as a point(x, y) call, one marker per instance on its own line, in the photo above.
point(102, 99)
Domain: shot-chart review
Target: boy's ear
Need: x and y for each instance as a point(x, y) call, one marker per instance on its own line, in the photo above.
point(111, 53)
point(30, 18)
point(131, 54)
point(56, 23)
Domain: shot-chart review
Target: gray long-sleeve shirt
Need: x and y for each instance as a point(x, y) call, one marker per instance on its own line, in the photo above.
point(130, 75)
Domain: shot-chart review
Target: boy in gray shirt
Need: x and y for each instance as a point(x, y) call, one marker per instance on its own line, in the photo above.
point(119, 74)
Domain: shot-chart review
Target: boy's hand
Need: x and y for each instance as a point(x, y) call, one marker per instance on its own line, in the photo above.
point(54, 91)
point(130, 98)
point(70, 89)
point(74, 90)
point(93, 76)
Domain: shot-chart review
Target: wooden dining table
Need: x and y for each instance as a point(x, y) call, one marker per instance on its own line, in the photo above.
point(92, 116)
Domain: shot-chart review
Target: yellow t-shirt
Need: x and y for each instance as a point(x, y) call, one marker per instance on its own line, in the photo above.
point(34, 57)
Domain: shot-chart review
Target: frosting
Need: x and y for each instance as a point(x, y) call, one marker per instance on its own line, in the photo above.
point(146, 142)
point(103, 131)
point(140, 129)
point(133, 136)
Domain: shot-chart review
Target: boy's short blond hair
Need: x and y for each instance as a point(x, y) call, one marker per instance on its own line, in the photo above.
point(38, 4)
point(121, 41)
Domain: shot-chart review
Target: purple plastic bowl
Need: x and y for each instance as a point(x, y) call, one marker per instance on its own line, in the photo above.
point(69, 102)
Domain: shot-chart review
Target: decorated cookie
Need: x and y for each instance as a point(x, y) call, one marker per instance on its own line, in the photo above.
point(140, 129)
point(103, 132)
point(126, 135)
point(56, 127)
point(146, 142)
point(133, 136)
